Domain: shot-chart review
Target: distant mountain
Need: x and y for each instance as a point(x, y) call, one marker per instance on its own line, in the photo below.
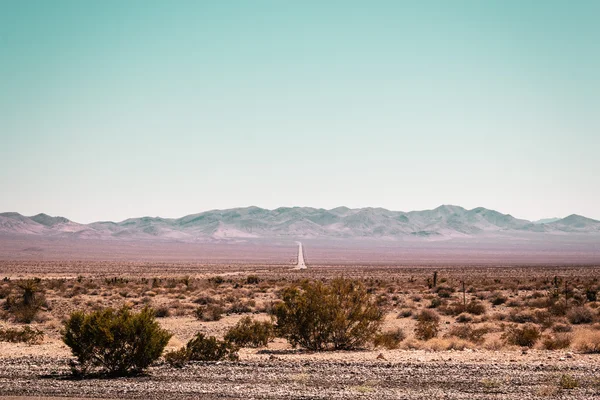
point(444, 222)
point(546, 220)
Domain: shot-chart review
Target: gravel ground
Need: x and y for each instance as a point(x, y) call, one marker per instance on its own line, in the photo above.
point(275, 378)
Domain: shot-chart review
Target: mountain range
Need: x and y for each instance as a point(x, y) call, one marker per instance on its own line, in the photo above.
point(444, 222)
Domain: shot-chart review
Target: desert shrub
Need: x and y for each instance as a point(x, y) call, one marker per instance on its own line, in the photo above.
point(118, 342)
point(162, 312)
point(405, 313)
point(444, 291)
point(202, 348)
point(248, 332)
point(453, 309)
point(427, 325)
point(556, 341)
point(466, 332)
point(216, 280)
point(464, 318)
point(435, 303)
point(390, 339)
point(587, 342)
point(341, 315)
point(562, 328)
point(557, 308)
point(498, 299)
point(580, 315)
point(521, 317)
point(210, 312)
point(591, 294)
point(543, 318)
point(22, 335)
point(568, 382)
point(525, 336)
point(25, 305)
point(475, 308)
point(241, 307)
point(177, 358)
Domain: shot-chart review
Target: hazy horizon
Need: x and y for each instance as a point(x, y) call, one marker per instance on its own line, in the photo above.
point(112, 110)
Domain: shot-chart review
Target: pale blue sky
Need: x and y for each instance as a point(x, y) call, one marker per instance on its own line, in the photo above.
point(113, 109)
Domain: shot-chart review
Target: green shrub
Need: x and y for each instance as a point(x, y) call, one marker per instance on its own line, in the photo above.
point(427, 325)
point(23, 335)
point(118, 342)
point(202, 348)
point(341, 315)
point(568, 382)
point(248, 332)
point(525, 336)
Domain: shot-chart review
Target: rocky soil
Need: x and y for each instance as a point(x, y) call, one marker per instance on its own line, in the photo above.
point(272, 377)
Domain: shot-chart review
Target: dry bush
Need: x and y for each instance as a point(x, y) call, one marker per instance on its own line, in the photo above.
point(23, 335)
point(162, 312)
point(452, 309)
point(562, 328)
point(466, 332)
point(525, 336)
point(209, 312)
point(556, 341)
point(390, 340)
point(427, 327)
point(475, 308)
point(405, 313)
point(498, 299)
point(445, 344)
point(521, 316)
point(464, 318)
point(587, 342)
point(580, 315)
point(29, 300)
point(248, 332)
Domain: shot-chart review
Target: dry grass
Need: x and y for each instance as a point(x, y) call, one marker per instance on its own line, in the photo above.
point(587, 342)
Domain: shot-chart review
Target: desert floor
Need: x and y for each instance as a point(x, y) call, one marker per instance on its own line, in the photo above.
point(447, 366)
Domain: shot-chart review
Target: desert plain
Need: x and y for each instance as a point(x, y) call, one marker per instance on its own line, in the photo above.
point(484, 298)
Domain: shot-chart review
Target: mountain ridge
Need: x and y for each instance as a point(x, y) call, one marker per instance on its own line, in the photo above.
point(443, 222)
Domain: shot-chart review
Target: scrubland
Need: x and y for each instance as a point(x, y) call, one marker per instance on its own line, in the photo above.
point(461, 331)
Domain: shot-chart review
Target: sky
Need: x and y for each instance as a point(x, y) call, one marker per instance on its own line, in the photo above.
point(115, 109)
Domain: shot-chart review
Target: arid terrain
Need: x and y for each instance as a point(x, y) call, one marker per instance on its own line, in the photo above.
point(474, 353)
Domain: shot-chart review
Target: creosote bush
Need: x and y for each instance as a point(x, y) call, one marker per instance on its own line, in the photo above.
point(202, 348)
point(248, 332)
point(526, 335)
point(427, 325)
point(210, 312)
point(580, 315)
point(341, 315)
point(117, 342)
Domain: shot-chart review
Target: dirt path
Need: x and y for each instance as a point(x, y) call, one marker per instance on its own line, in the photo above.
point(274, 378)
